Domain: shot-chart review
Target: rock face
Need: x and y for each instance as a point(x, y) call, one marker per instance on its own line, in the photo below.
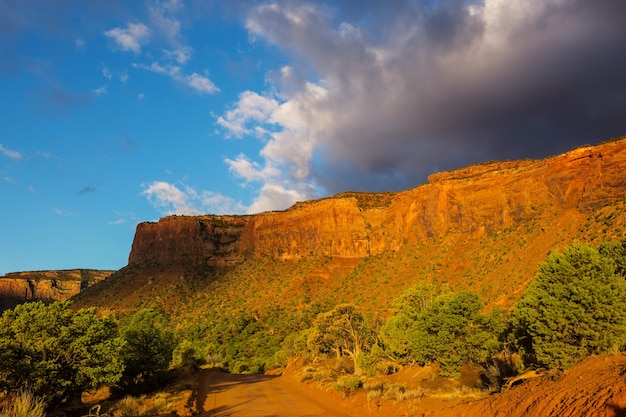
point(468, 202)
point(17, 287)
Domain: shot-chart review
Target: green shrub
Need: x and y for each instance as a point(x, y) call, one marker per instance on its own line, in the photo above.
point(367, 363)
point(575, 307)
point(187, 353)
point(150, 344)
point(348, 384)
point(448, 328)
point(57, 352)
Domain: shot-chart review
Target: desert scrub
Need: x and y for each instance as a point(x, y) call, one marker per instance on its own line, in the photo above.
point(308, 374)
point(25, 404)
point(323, 376)
point(348, 384)
point(397, 392)
point(139, 407)
point(375, 390)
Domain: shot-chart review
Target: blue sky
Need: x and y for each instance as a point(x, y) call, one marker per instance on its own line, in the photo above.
point(116, 112)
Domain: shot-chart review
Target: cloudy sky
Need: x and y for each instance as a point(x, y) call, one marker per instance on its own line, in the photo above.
point(117, 112)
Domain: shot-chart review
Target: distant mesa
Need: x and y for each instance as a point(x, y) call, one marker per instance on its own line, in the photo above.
point(47, 286)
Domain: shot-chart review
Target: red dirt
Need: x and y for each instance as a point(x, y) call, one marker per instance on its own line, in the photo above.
point(595, 387)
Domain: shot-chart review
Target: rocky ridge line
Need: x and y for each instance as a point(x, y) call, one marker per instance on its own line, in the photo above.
point(469, 202)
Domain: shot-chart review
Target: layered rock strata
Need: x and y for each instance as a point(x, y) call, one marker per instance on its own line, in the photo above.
point(16, 287)
point(468, 202)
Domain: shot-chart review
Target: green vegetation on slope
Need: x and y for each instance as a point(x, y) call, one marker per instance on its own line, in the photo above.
point(574, 308)
point(56, 353)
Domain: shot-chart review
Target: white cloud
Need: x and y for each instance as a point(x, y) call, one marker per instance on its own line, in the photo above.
point(169, 199)
point(167, 196)
point(156, 67)
point(130, 39)
point(251, 171)
point(100, 90)
point(164, 22)
point(200, 83)
point(276, 197)
point(197, 82)
point(123, 218)
point(9, 153)
point(251, 107)
point(109, 75)
point(64, 212)
point(288, 150)
point(180, 55)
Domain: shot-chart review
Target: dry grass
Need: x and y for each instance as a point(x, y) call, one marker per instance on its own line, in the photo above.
point(387, 391)
point(460, 393)
point(174, 399)
point(139, 406)
point(25, 404)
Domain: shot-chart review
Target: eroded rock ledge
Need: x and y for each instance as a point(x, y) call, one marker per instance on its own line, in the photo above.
point(17, 287)
point(471, 202)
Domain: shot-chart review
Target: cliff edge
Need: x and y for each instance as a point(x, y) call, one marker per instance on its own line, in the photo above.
point(465, 204)
point(59, 285)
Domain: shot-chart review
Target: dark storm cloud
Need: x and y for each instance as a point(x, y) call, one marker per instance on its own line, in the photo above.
point(420, 86)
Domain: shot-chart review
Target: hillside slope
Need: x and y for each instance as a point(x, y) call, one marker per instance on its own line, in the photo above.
point(484, 227)
point(594, 387)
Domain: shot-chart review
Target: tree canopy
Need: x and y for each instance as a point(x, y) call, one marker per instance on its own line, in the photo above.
point(448, 328)
point(56, 352)
point(150, 343)
point(575, 307)
point(341, 331)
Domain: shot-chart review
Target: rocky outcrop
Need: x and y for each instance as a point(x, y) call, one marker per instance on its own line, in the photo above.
point(468, 202)
point(189, 240)
point(16, 287)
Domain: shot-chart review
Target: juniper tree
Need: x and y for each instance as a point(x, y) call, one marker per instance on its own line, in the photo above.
point(574, 308)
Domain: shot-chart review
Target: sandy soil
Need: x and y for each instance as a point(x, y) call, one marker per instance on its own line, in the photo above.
point(595, 387)
point(222, 394)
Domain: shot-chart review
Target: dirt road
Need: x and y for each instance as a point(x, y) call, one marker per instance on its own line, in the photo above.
point(595, 387)
point(221, 394)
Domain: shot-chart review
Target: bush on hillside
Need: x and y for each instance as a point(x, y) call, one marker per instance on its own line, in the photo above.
point(453, 330)
point(449, 328)
point(150, 344)
point(56, 352)
point(576, 307)
point(617, 251)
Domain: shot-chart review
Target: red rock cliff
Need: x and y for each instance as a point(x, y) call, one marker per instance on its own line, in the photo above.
point(47, 285)
point(467, 202)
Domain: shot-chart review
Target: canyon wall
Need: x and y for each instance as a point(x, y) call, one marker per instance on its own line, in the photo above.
point(466, 203)
point(17, 287)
